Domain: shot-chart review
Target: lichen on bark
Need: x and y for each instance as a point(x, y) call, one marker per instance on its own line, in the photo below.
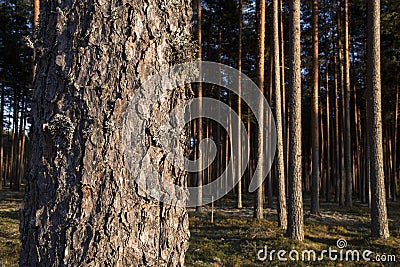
point(81, 205)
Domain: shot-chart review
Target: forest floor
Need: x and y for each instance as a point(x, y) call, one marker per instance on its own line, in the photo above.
point(235, 238)
point(10, 245)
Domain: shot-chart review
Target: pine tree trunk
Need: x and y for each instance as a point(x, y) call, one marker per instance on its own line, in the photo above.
point(394, 144)
point(239, 157)
point(295, 204)
point(337, 135)
point(314, 113)
point(15, 142)
point(342, 172)
point(279, 160)
point(283, 90)
point(322, 168)
point(328, 137)
point(259, 201)
point(271, 174)
point(21, 162)
point(347, 129)
point(35, 23)
point(379, 221)
point(82, 206)
point(200, 174)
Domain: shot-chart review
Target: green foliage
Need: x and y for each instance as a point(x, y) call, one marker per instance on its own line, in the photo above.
point(16, 55)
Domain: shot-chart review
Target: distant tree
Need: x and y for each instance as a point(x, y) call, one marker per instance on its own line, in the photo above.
point(15, 81)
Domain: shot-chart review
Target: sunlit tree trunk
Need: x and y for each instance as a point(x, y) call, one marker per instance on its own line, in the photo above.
point(295, 205)
point(283, 90)
point(394, 145)
point(314, 113)
point(258, 203)
point(379, 221)
point(347, 129)
point(239, 185)
point(271, 174)
point(200, 174)
point(279, 160)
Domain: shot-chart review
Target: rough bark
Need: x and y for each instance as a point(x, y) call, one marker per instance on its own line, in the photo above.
point(379, 221)
point(295, 204)
point(82, 206)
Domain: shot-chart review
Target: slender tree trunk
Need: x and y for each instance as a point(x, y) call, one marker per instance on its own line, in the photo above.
point(283, 89)
point(295, 205)
point(314, 113)
point(15, 144)
point(239, 185)
point(328, 137)
point(358, 145)
point(394, 145)
point(347, 129)
point(36, 13)
point(82, 206)
point(21, 163)
point(379, 221)
point(249, 144)
point(322, 169)
point(200, 174)
point(360, 152)
point(342, 173)
point(337, 135)
point(279, 160)
point(258, 204)
point(218, 138)
point(271, 174)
